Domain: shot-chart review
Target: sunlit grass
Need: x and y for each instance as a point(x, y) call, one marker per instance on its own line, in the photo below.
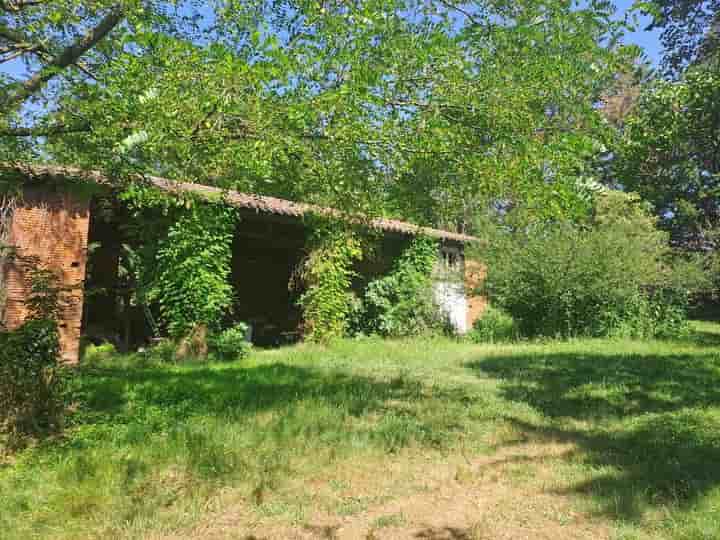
point(155, 447)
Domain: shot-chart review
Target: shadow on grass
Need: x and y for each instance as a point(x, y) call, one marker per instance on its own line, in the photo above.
point(444, 533)
point(647, 426)
point(286, 403)
point(230, 390)
point(702, 334)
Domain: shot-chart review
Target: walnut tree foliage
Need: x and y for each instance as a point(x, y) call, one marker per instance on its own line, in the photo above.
point(669, 152)
point(427, 109)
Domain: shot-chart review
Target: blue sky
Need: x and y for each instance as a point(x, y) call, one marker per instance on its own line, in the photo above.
point(649, 41)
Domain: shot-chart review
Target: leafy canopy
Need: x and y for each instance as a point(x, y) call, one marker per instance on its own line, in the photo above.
point(690, 31)
point(423, 109)
point(670, 154)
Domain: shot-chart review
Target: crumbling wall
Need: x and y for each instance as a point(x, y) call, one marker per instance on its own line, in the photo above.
point(49, 228)
point(7, 209)
point(474, 275)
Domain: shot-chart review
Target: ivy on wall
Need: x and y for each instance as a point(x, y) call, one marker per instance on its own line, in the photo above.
point(33, 381)
point(327, 274)
point(193, 268)
point(178, 257)
point(152, 213)
point(402, 303)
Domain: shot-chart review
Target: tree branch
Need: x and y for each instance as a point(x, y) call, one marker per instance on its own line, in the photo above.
point(13, 36)
point(14, 51)
point(11, 55)
point(44, 131)
point(70, 55)
point(19, 5)
point(469, 16)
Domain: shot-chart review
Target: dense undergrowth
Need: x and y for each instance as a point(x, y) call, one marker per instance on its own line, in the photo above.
point(155, 447)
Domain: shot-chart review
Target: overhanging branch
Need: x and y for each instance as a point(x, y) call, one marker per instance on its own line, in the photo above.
point(68, 56)
point(464, 12)
point(44, 131)
point(19, 5)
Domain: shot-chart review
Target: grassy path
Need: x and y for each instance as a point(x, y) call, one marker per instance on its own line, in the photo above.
point(372, 439)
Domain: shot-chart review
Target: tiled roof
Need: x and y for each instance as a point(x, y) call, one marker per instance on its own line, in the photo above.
point(258, 203)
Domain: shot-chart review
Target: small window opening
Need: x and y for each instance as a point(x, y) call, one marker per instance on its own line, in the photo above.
point(451, 258)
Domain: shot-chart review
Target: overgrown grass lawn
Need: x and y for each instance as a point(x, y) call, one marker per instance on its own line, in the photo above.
point(156, 449)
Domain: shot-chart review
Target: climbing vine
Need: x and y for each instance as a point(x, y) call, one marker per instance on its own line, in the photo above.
point(179, 254)
point(152, 213)
point(33, 382)
point(193, 266)
point(327, 274)
point(401, 303)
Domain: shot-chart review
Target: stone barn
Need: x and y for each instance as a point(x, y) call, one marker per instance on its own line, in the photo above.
point(57, 222)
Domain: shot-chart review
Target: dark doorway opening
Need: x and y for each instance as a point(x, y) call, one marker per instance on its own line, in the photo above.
point(265, 256)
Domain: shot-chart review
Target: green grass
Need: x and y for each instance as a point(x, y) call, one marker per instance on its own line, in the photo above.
point(389, 520)
point(156, 447)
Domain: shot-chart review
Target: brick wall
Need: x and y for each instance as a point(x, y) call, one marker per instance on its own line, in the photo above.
point(50, 225)
point(474, 275)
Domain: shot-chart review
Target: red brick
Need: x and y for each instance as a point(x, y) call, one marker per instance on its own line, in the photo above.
point(50, 225)
point(474, 275)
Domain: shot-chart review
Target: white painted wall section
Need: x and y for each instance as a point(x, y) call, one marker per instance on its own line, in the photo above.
point(450, 297)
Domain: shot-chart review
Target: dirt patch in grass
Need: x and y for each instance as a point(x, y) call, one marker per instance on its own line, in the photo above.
point(511, 494)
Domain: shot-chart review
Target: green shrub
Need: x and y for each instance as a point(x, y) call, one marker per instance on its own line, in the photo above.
point(495, 325)
point(32, 379)
point(94, 354)
point(231, 343)
point(659, 314)
point(356, 317)
point(614, 276)
point(163, 350)
point(402, 303)
point(34, 385)
point(670, 313)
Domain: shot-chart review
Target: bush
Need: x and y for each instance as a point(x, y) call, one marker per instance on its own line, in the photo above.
point(402, 303)
point(32, 380)
point(232, 343)
point(495, 325)
point(34, 385)
point(614, 276)
point(660, 314)
point(95, 354)
point(163, 350)
point(356, 317)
